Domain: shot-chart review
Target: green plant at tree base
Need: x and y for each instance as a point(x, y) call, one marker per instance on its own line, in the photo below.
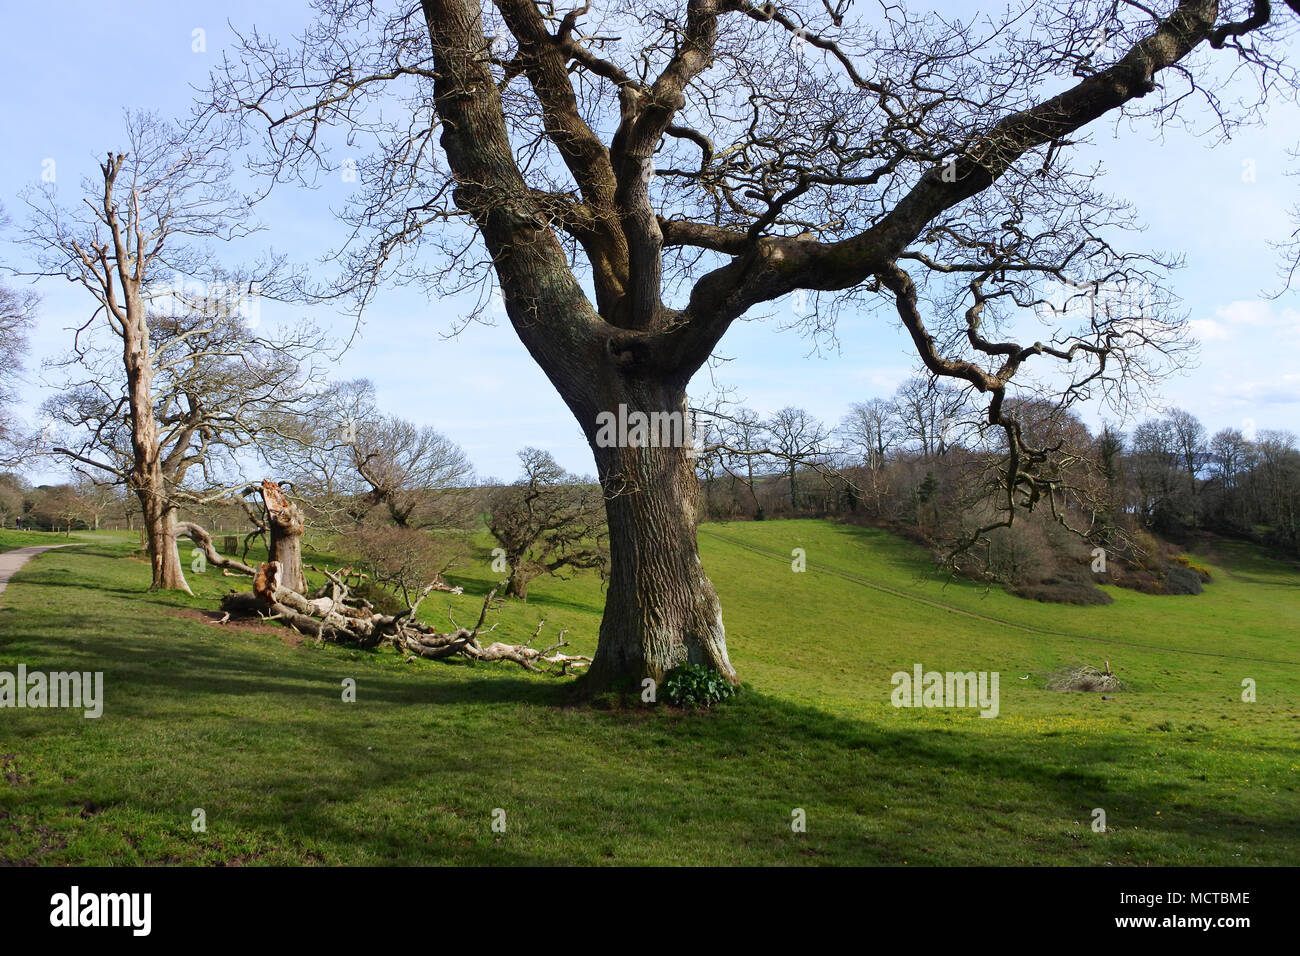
point(694, 685)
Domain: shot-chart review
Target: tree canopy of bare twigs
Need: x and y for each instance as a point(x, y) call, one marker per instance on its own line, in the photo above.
point(689, 161)
point(17, 314)
point(349, 458)
point(169, 375)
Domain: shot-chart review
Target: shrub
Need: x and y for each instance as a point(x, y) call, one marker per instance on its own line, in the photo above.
point(1202, 572)
point(694, 685)
point(385, 602)
point(1146, 552)
point(1063, 592)
point(403, 560)
point(1180, 580)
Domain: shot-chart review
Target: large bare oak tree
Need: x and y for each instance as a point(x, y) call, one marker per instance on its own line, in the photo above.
point(635, 178)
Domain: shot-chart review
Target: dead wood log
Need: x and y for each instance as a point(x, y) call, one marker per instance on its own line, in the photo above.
point(242, 603)
point(266, 582)
point(328, 617)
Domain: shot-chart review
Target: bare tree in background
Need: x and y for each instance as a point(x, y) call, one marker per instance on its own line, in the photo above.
point(1155, 456)
point(690, 161)
point(730, 438)
point(17, 314)
point(547, 521)
point(412, 471)
point(929, 413)
point(870, 429)
point(1193, 451)
point(1231, 459)
point(1277, 475)
point(97, 498)
point(799, 440)
point(347, 458)
point(12, 490)
point(163, 378)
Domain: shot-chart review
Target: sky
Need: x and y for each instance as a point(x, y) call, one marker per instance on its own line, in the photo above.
point(71, 71)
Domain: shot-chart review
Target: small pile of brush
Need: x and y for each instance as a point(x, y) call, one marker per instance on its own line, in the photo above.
point(1085, 677)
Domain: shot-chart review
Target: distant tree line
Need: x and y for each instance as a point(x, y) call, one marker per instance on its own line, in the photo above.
point(401, 500)
point(924, 464)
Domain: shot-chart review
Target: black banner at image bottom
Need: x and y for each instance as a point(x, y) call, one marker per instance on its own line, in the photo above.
point(139, 907)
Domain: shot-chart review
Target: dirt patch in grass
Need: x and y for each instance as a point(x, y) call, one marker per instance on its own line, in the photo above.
point(48, 841)
point(250, 624)
point(9, 770)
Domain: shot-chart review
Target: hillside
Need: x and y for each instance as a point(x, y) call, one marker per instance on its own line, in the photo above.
point(248, 724)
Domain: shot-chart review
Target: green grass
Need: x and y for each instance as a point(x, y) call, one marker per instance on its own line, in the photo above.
point(254, 731)
point(10, 539)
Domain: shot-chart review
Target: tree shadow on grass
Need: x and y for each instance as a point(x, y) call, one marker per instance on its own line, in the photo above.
point(190, 660)
point(390, 775)
point(258, 733)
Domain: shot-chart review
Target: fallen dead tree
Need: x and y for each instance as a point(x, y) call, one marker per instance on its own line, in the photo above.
point(331, 614)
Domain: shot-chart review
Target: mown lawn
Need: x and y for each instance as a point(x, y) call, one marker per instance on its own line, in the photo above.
point(10, 538)
point(238, 722)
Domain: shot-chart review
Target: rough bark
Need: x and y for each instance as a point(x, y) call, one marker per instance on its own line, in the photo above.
point(517, 585)
point(146, 474)
point(661, 609)
point(160, 538)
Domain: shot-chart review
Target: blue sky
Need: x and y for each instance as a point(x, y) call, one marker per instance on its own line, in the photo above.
point(71, 70)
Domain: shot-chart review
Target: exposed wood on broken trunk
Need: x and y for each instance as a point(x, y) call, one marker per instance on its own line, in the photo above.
point(286, 526)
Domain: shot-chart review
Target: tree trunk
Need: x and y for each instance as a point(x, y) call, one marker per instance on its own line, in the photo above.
point(517, 586)
point(661, 610)
point(160, 535)
point(286, 525)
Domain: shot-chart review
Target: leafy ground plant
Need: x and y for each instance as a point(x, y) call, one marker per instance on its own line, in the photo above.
point(694, 685)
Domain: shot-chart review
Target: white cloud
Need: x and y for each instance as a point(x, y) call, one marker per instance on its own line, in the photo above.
point(1282, 389)
point(1247, 319)
point(1208, 330)
point(1246, 312)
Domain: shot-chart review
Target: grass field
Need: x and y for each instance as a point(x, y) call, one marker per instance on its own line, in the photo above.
point(10, 539)
point(253, 730)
